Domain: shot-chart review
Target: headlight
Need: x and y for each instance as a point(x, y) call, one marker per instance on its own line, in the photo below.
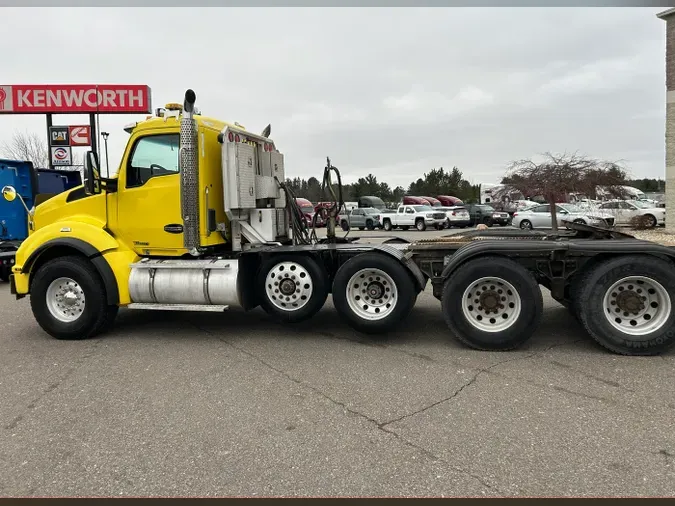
point(430, 215)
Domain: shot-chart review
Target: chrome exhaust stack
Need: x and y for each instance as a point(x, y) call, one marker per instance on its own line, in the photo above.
point(189, 178)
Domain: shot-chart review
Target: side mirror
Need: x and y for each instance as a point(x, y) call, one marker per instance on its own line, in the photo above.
point(9, 193)
point(92, 175)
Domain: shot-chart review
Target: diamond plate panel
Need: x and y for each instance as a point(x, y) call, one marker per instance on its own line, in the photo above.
point(266, 188)
point(277, 166)
point(246, 176)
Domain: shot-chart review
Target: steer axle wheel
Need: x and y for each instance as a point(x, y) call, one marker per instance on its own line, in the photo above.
point(69, 300)
point(492, 304)
point(292, 288)
point(373, 292)
point(625, 304)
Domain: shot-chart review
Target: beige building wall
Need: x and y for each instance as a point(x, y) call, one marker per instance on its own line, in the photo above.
point(669, 17)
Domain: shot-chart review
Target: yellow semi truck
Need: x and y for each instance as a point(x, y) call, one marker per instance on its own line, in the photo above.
point(198, 218)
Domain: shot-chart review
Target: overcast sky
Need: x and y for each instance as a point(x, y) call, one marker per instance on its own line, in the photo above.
point(395, 92)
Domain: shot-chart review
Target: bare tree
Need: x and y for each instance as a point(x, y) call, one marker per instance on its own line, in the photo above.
point(556, 176)
point(27, 146)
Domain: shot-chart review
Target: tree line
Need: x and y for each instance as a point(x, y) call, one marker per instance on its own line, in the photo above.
point(433, 183)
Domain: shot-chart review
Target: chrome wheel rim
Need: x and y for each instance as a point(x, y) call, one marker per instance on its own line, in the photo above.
point(637, 305)
point(525, 225)
point(372, 294)
point(420, 225)
point(288, 286)
point(491, 304)
point(65, 300)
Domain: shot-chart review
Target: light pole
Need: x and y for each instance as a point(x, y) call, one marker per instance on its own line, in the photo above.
point(105, 141)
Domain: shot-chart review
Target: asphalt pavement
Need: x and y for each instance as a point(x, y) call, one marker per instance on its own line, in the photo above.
point(191, 404)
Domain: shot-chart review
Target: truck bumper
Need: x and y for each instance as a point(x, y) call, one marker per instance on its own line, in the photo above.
point(12, 287)
point(460, 223)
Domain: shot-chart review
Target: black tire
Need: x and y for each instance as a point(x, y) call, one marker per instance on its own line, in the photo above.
point(315, 300)
point(650, 221)
point(525, 225)
point(387, 225)
point(592, 314)
point(344, 225)
point(527, 288)
point(96, 317)
point(488, 222)
point(362, 228)
point(405, 292)
point(420, 225)
point(370, 225)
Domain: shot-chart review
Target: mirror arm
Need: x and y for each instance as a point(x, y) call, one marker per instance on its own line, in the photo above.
point(30, 213)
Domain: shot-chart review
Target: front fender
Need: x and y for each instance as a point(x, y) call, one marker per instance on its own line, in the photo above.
point(65, 232)
point(87, 239)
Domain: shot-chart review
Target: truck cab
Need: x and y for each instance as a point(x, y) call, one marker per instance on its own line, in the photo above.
point(197, 218)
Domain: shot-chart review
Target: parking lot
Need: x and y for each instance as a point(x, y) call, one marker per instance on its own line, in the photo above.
point(199, 404)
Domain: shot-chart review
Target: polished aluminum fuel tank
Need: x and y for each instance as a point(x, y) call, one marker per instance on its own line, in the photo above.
point(199, 282)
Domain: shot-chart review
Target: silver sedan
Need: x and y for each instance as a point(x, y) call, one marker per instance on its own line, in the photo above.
point(540, 216)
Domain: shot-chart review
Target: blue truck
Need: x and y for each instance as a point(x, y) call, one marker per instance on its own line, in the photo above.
point(34, 186)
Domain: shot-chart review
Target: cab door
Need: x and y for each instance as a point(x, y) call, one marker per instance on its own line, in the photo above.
point(149, 209)
point(409, 216)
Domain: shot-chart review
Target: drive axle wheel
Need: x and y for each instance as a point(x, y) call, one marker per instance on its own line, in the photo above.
point(292, 288)
point(373, 292)
point(69, 300)
point(625, 304)
point(492, 303)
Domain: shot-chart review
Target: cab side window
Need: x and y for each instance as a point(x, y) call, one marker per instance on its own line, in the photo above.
point(153, 156)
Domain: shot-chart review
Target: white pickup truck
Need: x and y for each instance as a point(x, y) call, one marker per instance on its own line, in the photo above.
point(420, 217)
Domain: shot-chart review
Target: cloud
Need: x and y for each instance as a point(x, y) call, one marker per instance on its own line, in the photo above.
point(393, 91)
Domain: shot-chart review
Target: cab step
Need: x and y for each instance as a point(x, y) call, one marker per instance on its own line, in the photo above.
point(178, 307)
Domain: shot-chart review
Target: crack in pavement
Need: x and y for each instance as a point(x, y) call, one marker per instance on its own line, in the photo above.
point(473, 380)
point(52, 386)
point(378, 425)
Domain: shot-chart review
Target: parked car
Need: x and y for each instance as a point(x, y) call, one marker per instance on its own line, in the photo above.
point(457, 216)
point(626, 211)
point(449, 200)
point(419, 217)
point(487, 215)
point(540, 216)
point(361, 218)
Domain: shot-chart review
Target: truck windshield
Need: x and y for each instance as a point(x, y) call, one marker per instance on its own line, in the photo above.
point(370, 210)
point(307, 209)
point(421, 209)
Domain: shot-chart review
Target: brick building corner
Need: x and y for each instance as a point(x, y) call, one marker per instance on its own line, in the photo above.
point(669, 17)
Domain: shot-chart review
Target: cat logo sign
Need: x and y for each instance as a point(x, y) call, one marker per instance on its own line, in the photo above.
point(58, 136)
